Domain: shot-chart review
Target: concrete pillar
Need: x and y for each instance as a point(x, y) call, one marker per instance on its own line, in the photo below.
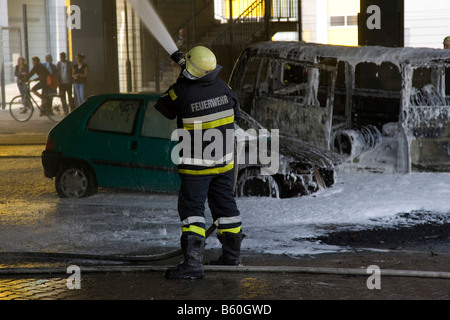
point(97, 39)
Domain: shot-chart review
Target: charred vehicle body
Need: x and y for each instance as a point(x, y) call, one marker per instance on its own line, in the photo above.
point(390, 103)
point(302, 168)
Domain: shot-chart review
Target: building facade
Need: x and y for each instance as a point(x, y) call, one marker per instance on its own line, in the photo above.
point(124, 56)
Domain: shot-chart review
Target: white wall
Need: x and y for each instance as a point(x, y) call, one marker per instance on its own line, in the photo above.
point(3, 13)
point(427, 23)
point(322, 21)
point(47, 32)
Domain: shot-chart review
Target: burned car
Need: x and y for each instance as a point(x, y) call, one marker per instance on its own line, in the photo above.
point(301, 168)
point(393, 102)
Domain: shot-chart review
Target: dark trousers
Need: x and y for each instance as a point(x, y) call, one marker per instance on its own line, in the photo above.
point(218, 190)
point(66, 88)
point(23, 92)
point(46, 101)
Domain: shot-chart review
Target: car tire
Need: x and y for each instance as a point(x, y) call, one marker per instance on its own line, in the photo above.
point(76, 181)
point(252, 184)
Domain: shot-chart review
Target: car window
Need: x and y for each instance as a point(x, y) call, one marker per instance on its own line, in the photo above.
point(155, 125)
point(427, 89)
point(385, 76)
point(294, 74)
point(294, 81)
point(251, 73)
point(287, 78)
point(116, 115)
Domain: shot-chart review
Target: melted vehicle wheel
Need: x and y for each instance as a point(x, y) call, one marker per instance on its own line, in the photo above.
point(252, 184)
point(75, 181)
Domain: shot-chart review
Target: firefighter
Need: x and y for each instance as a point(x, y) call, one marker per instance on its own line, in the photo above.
point(200, 102)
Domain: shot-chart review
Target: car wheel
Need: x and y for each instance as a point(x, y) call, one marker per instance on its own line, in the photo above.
point(75, 181)
point(252, 184)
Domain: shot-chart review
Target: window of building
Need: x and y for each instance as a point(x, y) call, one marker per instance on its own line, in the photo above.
point(343, 21)
point(352, 20)
point(337, 21)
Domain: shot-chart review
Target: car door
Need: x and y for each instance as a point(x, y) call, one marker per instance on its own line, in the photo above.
point(111, 131)
point(154, 147)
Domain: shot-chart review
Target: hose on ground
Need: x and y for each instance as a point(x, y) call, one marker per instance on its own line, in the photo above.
point(246, 269)
point(112, 257)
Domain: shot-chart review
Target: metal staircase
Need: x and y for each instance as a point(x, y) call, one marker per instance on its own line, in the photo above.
point(247, 27)
point(258, 22)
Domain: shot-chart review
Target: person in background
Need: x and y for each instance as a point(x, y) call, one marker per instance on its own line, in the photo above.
point(42, 73)
point(20, 72)
point(180, 41)
point(80, 73)
point(447, 43)
point(51, 69)
point(447, 72)
point(64, 68)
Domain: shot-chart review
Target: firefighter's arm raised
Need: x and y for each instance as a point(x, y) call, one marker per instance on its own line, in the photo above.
point(168, 104)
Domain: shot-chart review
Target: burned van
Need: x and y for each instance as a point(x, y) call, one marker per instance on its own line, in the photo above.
point(390, 103)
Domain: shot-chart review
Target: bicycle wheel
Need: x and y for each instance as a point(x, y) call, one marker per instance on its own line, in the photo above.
point(21, 109)
point(56, 113)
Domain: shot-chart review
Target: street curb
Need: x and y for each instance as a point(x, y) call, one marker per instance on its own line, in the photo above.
point(23, 138)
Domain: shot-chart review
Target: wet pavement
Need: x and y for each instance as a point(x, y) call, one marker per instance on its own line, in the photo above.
point(34, 131)
point(145, 282)
point(109, 281)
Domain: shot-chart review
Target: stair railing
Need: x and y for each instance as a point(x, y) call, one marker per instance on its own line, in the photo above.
point(245, 26)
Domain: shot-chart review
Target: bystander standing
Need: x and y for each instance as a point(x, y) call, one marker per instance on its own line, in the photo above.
point(64, 68)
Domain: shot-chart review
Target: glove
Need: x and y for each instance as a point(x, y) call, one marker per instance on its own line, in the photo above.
point(178, 58)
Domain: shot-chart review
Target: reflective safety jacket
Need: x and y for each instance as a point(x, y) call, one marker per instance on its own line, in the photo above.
point(205, 109)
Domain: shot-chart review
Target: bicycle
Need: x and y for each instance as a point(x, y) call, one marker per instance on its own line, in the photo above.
point(22, 108)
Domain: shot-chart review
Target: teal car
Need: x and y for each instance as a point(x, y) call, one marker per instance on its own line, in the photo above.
point(122, 141)
point(112, 141)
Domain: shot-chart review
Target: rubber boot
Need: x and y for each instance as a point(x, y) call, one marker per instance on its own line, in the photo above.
point(191, 267)
point(231, 249)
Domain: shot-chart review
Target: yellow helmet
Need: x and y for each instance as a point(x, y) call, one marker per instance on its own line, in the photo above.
point(447, 40)
point(200, 61)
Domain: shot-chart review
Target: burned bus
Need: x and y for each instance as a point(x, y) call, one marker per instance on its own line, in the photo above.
point(391, 102)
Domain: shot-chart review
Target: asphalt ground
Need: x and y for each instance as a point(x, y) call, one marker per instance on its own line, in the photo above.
point(34, 131)
point(146, 282)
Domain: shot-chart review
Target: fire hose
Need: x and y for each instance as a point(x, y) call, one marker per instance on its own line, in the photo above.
point(216, 268)
point(112, 257)
point(207, 268)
